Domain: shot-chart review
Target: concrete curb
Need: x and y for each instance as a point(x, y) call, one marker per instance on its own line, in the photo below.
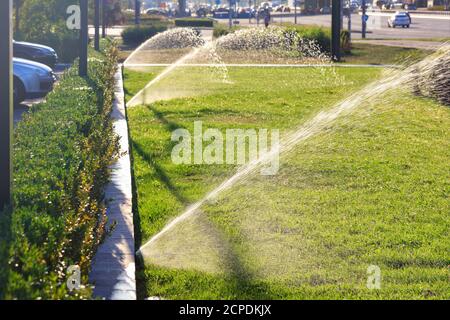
point(113, 268)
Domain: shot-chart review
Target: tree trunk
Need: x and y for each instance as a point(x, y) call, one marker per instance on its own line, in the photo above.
point(17, 26)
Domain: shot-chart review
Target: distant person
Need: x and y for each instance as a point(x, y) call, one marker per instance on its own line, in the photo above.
point(266, 17)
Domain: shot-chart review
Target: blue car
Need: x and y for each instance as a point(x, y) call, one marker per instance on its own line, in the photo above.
point(35, 52)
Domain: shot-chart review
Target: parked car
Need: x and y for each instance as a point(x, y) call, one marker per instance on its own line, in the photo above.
point(399, 19)
point(410, 6)
point(325, 10)
point(31, 79)
point(282, 8)
point(222, 13)
point(245, 13)
point(35, 52)
point(156, 12)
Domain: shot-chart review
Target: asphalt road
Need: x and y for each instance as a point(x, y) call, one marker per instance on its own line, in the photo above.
point(421, 27)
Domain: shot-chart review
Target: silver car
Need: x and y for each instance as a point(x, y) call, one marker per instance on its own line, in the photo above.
point(400, 19)
point(31, 80)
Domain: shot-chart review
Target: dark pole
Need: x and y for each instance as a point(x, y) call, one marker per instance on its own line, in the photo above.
point(364, 25)
point(6, 103)
point(97, 25)
point(137, 12)
point(84, 37)
point(230, 17)
point(349, 26)
point(103, 18)
point(336, 30)
point(295, 11)
point(182, 8)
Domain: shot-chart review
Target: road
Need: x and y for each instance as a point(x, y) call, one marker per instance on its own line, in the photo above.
point(421, 28)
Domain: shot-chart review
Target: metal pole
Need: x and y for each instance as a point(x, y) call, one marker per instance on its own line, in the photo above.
point(295, 11)
point(364, 26)
point(336, 30)
point(230, 23)
point(84, 38)
point(250, 13)
point(6, 103)
point(97, 25)
point(349, 27)
point(137, 12)
point(103, 19)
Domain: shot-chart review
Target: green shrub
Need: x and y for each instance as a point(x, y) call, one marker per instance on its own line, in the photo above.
point(222, 30)
point(437, 8)
point(146, 18)
point(138, 34)
point(62, 152)
point(321, 35)
point(195, 22)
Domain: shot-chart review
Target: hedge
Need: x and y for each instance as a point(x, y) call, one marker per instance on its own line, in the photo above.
point(321, 35)
point(138, 34)
point(194, 22)
point(222, 30)
point(62, 152)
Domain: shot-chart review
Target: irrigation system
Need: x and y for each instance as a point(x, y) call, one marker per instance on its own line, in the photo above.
point(6, 72)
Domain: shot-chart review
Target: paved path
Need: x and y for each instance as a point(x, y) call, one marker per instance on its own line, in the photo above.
point(113, 269)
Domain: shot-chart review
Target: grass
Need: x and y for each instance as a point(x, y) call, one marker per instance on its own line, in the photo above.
point(363, 53)
point(370, 191)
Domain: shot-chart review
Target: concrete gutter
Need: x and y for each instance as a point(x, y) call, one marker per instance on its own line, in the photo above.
point(113, 268)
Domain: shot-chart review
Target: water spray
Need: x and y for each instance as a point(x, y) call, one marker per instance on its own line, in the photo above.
point(316, 125)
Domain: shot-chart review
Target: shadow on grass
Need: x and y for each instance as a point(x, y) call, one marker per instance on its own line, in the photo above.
point(161, 174)
point(238, 281)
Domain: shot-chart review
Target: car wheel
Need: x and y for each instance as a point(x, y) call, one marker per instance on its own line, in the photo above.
point(393, 26)
point(18, 91)
point(407, 26)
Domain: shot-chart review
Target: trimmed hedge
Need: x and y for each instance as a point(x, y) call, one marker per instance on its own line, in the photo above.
point(319, 34)
point(62, 152)
point(222, 30)
point(195, 22)
point(138, 34)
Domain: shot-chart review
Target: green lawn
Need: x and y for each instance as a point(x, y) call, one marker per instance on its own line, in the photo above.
point(363, 53)
point(371, 190)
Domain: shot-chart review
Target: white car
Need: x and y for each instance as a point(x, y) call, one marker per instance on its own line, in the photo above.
point(31, 79)
point(400, 19)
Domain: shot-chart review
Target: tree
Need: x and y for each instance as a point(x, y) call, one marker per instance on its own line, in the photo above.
point(44, 21)
point(17, 5)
